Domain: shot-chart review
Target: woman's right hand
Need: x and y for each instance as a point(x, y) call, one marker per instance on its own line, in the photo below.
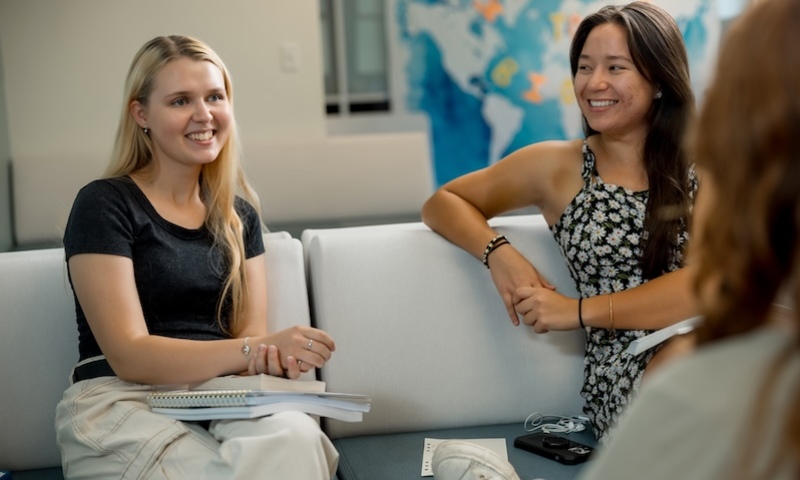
point(509, 271)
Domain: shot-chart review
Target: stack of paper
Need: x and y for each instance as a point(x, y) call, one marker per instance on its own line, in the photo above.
point(257, 396)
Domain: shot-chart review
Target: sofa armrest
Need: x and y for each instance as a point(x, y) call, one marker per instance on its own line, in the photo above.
point(38, 348)
point(287, 294)
point(39, 340)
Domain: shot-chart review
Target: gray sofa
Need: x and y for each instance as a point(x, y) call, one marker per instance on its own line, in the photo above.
point(418, 325)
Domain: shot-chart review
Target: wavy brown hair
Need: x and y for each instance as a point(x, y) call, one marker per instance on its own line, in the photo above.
point(747, 141)
point(659, 53)
point(220, 180)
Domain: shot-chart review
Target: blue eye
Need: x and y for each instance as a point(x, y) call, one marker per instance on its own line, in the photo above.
point(180, 102)
point(217, 97)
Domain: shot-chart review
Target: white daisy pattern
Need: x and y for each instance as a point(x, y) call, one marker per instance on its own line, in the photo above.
point(601, 234)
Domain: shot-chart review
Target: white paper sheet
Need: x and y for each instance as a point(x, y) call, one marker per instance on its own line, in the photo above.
point(497, 445)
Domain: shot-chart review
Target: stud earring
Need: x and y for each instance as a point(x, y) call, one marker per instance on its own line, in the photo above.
point(659, 94)
point(146, 131)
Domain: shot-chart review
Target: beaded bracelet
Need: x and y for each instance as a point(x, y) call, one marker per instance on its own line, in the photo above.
point(491, 246)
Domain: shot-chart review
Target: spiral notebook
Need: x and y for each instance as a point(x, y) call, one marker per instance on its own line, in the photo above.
point(221, 404)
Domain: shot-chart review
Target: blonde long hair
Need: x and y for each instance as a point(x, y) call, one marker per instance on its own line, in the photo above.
point(747, 141)
point(220, 180)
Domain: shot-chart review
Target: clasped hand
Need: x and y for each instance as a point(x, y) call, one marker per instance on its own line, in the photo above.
point(290, 352)
point(545, 310)
point(527, 294)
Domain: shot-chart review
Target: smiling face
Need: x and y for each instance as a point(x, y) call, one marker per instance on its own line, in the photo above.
point(188, 113)
point(614, 97)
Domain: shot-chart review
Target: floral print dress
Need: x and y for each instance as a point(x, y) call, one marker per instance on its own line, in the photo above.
point(601, 234)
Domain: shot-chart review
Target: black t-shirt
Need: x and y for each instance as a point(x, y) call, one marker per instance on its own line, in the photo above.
point(179, 274)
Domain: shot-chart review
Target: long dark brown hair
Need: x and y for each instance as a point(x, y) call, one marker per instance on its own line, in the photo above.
point(747, 141)
point(659, 53)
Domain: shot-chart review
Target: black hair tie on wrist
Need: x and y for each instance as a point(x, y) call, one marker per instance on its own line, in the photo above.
point(580, 312)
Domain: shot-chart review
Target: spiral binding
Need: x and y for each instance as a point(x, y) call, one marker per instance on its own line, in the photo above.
point(193, 399)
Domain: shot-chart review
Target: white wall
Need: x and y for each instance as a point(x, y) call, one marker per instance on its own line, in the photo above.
point(65, 63)
point(6, 239)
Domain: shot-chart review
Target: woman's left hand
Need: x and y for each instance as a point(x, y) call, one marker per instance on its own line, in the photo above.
point(546, 310)
point(267, 360)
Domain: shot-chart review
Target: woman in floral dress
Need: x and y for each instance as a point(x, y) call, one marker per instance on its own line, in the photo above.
point(617, 202)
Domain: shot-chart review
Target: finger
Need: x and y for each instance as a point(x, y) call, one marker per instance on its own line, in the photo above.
point(293, 368)
point(509, 304)
point(529, 320)
point(321, 337)
point(512, 314)
point(259, 360)
point(311, 360)
point(251, 364)
point(262, 363)
point(546, 284)
point(523, 307)
point(274, 362)
point(524, 292)
point(320, 349)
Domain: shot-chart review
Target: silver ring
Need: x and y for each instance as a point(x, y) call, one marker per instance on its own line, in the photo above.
point(310, 344)
point(299, 362)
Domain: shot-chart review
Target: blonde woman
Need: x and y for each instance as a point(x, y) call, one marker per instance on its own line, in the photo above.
point(166, 263)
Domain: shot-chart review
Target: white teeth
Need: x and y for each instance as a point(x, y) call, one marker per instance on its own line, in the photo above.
point(201, 136)
point(604, 103)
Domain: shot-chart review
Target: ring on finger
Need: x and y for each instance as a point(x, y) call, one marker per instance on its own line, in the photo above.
point(310, 344)
point(299, 363)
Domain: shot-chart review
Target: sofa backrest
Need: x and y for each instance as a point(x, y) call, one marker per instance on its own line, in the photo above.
point(419, 326)
point(39, 339)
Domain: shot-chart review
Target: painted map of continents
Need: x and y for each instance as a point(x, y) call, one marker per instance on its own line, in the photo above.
point(493, 75)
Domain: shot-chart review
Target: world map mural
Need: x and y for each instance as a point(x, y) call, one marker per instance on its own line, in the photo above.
point(493, 76)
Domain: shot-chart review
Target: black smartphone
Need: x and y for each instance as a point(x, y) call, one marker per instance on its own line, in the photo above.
point(554, 447)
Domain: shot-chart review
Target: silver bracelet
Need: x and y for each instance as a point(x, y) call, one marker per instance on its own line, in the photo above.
point(246, 348)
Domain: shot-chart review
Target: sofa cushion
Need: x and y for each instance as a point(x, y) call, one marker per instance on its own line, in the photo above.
point(419, 326)
point(38, 474)
point(399, 456)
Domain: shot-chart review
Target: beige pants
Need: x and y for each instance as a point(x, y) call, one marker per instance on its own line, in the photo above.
point(105, 429)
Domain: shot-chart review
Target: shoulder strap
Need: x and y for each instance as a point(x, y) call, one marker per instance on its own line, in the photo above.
point(587, 170)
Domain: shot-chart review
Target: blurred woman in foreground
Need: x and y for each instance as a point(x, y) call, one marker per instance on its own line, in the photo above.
point(732, 410)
